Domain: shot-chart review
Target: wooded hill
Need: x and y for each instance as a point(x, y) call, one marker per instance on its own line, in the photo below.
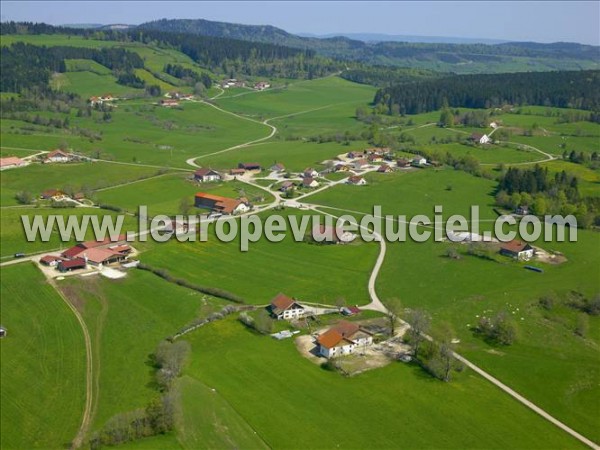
point(573, 89)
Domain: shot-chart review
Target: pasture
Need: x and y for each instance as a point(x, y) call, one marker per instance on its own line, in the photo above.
point(396, 406)
point(42, 364)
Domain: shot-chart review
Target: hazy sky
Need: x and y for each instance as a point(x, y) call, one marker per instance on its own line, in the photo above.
point(541, 21)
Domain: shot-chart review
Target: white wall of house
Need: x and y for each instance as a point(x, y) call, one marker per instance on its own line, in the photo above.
point(293, 313)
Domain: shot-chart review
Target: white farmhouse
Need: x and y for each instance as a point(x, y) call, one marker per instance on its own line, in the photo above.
point(283, 307)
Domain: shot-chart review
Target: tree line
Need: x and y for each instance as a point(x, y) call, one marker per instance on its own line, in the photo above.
point(570, 89)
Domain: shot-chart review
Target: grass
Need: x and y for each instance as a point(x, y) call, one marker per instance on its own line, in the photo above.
point(209, 421)
point(310, 272)
point(14, 240)
point(37, 178)
point(127, 319)
point(42, 363)
point(88, 84)
point(163, 195)
point(433, 414)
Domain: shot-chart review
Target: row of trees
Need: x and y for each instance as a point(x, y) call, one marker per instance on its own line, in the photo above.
point(576, 89)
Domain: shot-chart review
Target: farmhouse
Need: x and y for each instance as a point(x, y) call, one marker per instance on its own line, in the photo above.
point(360, 164)
point(309, 182)
point(250, 166)
point(51, 193)
point(58, 156)
point(402, 162)
point(480, 138)
point(286, 186)
point(50, 260)
point(522, 210)
point(235, 172)
point(76, 250)
point(262, 85)
point(418, 161)
point(219, 204)
point(331, 235)
point(355, 154)
point(356, 180)
point(169, 103)
point(205, 175)
point(341, 168)
point(374, 157)
point(71, 264)
point(384, 168)
point(11, 162)
point(277, 167)
point(343, 339)
point(310, 173)
point(517, 249)
point(283, 307)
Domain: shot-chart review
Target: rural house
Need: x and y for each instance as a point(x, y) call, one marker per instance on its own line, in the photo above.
point(343, 339)
point(169, 103)
point(50, 260)
point(480, 138)
point(283, 307)
point(286, 186)
point(262, 85)
point(517, 249)
point(309, 182)
point(356, 180)
point(206, 175)
point(58, 156)
point(360, 164)
point(222, 205)
point(235, 172)
point(402, 162)
point(52, 193)
point(418, 161)
point(11, 162)
point(277, 167)
point(310, 173)
point(250, 166)
point(384, 168)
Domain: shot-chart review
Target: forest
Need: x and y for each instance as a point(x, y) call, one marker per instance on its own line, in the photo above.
point(570, 89)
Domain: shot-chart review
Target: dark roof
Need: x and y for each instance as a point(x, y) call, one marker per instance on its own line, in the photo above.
point(516, 246)
point(72, 263)
point(204, 171)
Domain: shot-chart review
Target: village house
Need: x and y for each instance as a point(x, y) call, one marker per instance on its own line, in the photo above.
point(169, 103)
point(355, 154)
point(310, 173)
point(374, 157)
point(518, 250)
point(356, 180)
point(384, 168)
point(331, 235)
point(262, 85)
point(522, 210)
point(360, 164)
point(50, 260)
point(58, 156)
point(286, 186)
point(250, 166)
point(236, 172)
point(480, 138)
point(52, 194)
point(11, 162)
point(222, 205)
point(341, 168)
point(97, 253)
point(232, 82)
point(277, 167)
point(283, 307)
point(344, 338)
point(418, 161)
point(309, 182)
point(206, 175)
point(71, 264)
point(402, 162)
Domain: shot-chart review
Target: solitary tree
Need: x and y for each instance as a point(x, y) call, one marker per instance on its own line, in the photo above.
point(419, 325)
point(394, 309)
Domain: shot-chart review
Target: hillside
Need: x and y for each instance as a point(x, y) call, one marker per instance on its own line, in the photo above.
point(459, 58)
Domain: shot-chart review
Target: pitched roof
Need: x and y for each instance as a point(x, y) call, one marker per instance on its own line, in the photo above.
point(307, 181)
point(331, 338)
point(282, 302)
point(72, 263)
point(355, 179)
point(476, 136)
point(47, 259)
point(516, 246)
point(383, 168)
point(205, 171)
point(346, 329)
point(10, 161)
point(223, 204)
point(99, 255)
point(57, 152)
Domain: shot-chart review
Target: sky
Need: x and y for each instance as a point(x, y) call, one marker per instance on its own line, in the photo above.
point(539, 21)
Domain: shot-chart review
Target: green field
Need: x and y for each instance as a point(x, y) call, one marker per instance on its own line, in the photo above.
point(394, 407)
point(42, 363)
point(163, 195)
point(37, 178)
point(127, 319)
point(317, 273)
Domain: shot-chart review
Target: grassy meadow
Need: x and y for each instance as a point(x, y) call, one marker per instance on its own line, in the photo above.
point(42, 375)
